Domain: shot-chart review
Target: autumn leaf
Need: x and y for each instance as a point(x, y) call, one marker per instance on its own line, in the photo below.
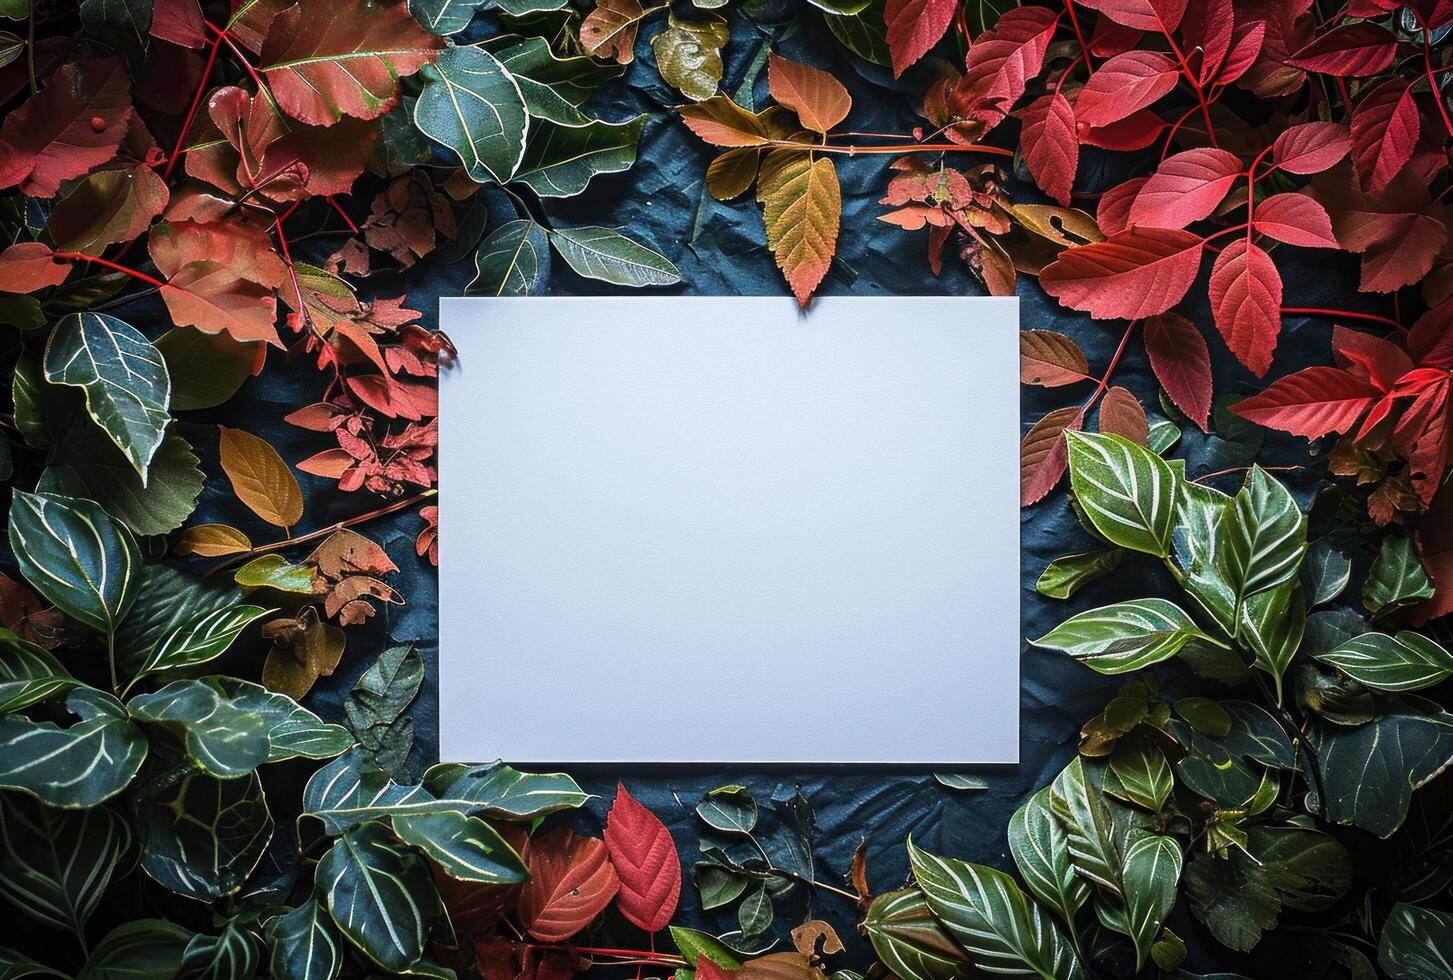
point(801, 208)
point(71, 126)
point(1182, 363)
point(1050, 359)
point(1124, 85)
point(645, 859)
point(1044, 455)
point(1121, 414)
point(1397, 231)
point(1245, 291)
point(1185, 188)
point(1310, 148)
point(304, 649)
point(1112, 214)
point(28, 266)
point(260, 478)
point(721, 122)
point(1050, 146)
point(1312, 403)
point(326, 59)
point(1349, 51)
point(819, 100)
point(1295, 219)
point(1141, 15)
point(1384, 133)
point(1136, 273)
point(571, 882)
point(914, 26)
point(609, 30)
point(1000, 64)
point(211, 541)
point(732, 172)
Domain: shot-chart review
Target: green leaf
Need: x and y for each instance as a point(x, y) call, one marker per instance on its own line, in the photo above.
point(276, 572)
point(554, 87)
point(909, 940)
point(445, 17)
point(1269, 536)
point(28, 673)
point(89, 466)
point(463, 847)
point(561, 160)
point(513, 260)
point(688, 54)
point(983, 908)
point(471, 104)
point(1202, 545)
point(607, 255)
point(122, 25)
point(233, 954)
point(1220, 767)
point(375, 707)
point(42, 410)
point(1407, 662)
point(1041, 852)
point(14, 965)
point(350, 790)
point(1064, 576)
point(754, 915)
point(1152, 872)
point(1089, 827)
point(80, 766)
point(693, 944)
point(730, 809)
point(203, 836)
point(304, 944)
point(717, 886)
point(1416, 944)
point(865, 33)
point(143, 949)
point(55, 865)
point(205, 369)
point(380, 894)
point(961, 781)
point(496, 790)
point(203, 638)
point(123, 376)
point(1397, 578)
point(1272, 624)
point(76, 556)
point(1370, 771)
point(1126, 636)
point(1140, 774)
point(166, 599)
point(1326, 571)
point(1127, 492)
point(223, 739)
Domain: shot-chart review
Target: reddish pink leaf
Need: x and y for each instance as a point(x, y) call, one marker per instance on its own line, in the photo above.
point(1182, 363)
point(1209, 26)
point(1384, 133)
point(1245, 293)
point(28, 266)
point(1243, 53)
point(1142, 15)
point(1310, 403)
point(1050, 359)
point(1002, 62)
point(707, 970)
point(1380, 361)
point(1043, 455)
point(645, 858)
point(1421, 437)
point(1110, 38)
point(1350, 51)
point(1113, 213)
point(1048, 143)
point(1430, 342)
point(1135, 273)
point(571, 882)
point(74, 124)
point(1121, 414)
point(1125, 84)
point(1135, 132)
point(1311, 147)
point(178, 21)
point(1397, 231)
point(1185, 188)
point(914, 26)
point(1296, 219)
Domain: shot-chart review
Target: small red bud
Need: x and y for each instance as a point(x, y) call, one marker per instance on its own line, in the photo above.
point(97, 124)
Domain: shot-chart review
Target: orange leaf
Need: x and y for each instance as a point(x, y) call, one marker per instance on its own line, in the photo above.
point(721, 122)
point(211, 541)
point(209, 296)
point(571, 882)
point(1050, 359)
point(801, 208)
point(609, 31)
point(819, 100)
point(260, 478)
point(1121, 414)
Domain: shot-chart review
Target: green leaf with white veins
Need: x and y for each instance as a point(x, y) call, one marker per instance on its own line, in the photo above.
point(471, 104)
point(1126, 636)
point(607, 255)
point(1152, 871)
point(498, 790)
point(1396, 578)
point(124, 377)
point(464, 847)
point(305, 944)
point(1127, 492)
point(554, 87)
point(1268, 537)
point(1416, 944)
point(561, 160)
point(513, 260)
point(909, 940)
point(444, 17)
point(28, 673)
point(220, 737)
point(1090, 827)
point(985, 910)
point(381, 895)
point(76, 556)
point(79, 766)
point(200, 639)
point(202, 837)
point(1406, 662)
point(55, 865)
point(1041, 851)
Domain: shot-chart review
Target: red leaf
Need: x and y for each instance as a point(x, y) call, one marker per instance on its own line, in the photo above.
point(1245, 293)
point(1002, 62)
point(395, 398)
point(74, 124)
point(1110, 38)
point(914, 26)
point(1435, 549)
point(1381, 362)
point(1113, 212)
point(1135, 132)
point(1295, 219)
point(1209, 26)
point(1182, 363)
point(1121, 414)
point(819, 100)
point(1310, 403)
point(1350, 51)
point(1311, 147)
point(504, 959)
point(1384, 133)
point(1397, 231)
point(1050, 149)
point(1134, 273)
point(1143, 15)
point(178, 21)
point(571, 882)
point(1243, 54)
point(1050, 359)
point(1043, 455)
point(28, 266)
point(1185, 188)
point(1125, 84)
point(1421, 437)
point(645, 857)
point(1430, 342)
point(707, 970)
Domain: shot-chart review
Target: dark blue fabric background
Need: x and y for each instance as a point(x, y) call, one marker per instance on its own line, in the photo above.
point(720, 249)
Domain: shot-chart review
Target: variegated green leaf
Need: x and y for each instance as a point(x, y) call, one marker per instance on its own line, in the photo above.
point(124, 377)
point(1139, 773)
point(1152, 872)
point(55, 865)
point(1268, 537)
point(472, 105)
point(1202, 548)
point(1407, 662)
point(1126, 636)
point(76, 556)
point(984, 909)
point(200, 639)
point(1064, 576)
point(305, 944)
point(463, 847)
point(499, 791)
point(1272, 625)
point(910, 941)
point(142, 949)
point(293, 731)
point(607, 255)
point(223, 739)
point(28, 673)
point(1041, 851)
point(233, 954)
point(380, 894)
point(1089, 827)
point(350, 790)
point(554, 87)
point(561, 160)
point(512, 260)
point(203, 836)
point(1127, 492)
point(79, 766)
point(1416, 943)
point(445, 17)
point(1397, 578)
point(1369, 772)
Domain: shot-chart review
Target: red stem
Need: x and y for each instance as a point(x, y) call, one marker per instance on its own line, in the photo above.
point(1335, 314)
point(343, 214)
point(1105, 379)
point(192, 112)
point(1079, 35)
point(1432, 84)
point(83, 257)
point(226, 37)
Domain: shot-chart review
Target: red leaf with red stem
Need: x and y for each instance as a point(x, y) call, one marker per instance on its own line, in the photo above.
point(1051, 151)
point(1182, 363)
point(1384, 133)
point(914, 26)
point(1136, 273)
point(1245, 292)
point(1295, 219)
point(645, 858)
point(1311, 403)
point(571, 882)
point(1125, 84)
point(1311, 147)
point(1350, 51)
point(1185, 188)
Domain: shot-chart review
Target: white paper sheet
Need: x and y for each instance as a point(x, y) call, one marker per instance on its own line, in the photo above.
point(719, 530)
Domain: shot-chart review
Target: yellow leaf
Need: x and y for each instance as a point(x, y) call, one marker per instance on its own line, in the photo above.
point(260, 478)
point(721, 122)
point(801, 207)
point(211, 541)
point(732, 172)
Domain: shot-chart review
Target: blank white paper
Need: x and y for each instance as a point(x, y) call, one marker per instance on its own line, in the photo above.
point(720, 530)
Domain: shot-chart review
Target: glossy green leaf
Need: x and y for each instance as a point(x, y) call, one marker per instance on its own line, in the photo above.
point(15, 965)
point(471, 104)
point(143, 949)
point(376, 708)
point(89, 466)
point(220, 737)
point(203, 836)
point(1152, 872)
point(304, 944)
point(76, 556)
point(864, 33)
point(754, 914)
point(1127, 492)
point(1369, 772)
point(167, 598)
point(717, 886)
point(1204, 518)
point(28, 673)
point(79, 766)
point(561, 160)
point(499, 791)
point(123, 376)
point(1140, 774)
point(985, 911)
point(512, 260)
point(607, 255)
point(909, 940)
point(445, 17)
point(203, 638)
point(688, 54)
point(276, 572)
point(205, 369)
point(693, 944)
point(553, 87)
point(1396, 578)
point(1326, 571)
point(350, 790)
point(730, 809)
point(1041, 852)
point(1406, 662)
point(463, 847)
point(1416, 943)
point(1089, 827)
point(1064, 576)
point(1268, 536)
point(232, 954)
point(55, 865)
point(380, 894)
point(1272, 624)
point(1126, 636)
point(1228, 769)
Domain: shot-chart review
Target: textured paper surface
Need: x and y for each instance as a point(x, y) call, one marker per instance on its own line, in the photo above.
point(720, 530)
